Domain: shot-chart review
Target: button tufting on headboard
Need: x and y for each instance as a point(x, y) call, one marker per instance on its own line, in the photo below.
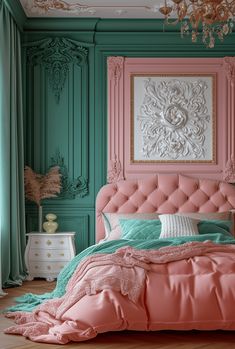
point(163, 193)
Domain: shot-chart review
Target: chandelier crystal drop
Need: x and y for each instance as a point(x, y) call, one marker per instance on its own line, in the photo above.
point(210, 18)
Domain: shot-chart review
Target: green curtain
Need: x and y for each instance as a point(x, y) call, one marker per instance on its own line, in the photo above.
point(12, 213)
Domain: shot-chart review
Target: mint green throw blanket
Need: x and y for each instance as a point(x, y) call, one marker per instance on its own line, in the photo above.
point(29, 301)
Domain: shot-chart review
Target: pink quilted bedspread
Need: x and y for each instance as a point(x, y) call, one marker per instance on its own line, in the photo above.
point(191, 286)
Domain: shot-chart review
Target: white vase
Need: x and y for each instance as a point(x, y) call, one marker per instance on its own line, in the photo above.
point(50, 226)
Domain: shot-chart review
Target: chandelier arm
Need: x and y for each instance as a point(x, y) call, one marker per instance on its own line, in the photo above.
point(231, 6)
point(172, 21)
point(209, 19)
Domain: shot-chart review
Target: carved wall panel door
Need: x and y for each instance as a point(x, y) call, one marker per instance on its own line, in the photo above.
point(57, 118)
point(58, 93)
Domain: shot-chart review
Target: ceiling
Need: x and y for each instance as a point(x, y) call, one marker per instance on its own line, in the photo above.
point(93, 8)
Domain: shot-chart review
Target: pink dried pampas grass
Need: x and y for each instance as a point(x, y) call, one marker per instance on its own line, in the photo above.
point(39, 187)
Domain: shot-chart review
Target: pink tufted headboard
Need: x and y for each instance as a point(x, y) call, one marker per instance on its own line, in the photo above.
point(163, 193)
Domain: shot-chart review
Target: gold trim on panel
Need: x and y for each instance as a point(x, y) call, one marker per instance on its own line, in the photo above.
point(214, 117)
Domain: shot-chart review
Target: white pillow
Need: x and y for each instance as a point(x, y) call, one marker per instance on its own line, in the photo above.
point(177, 226)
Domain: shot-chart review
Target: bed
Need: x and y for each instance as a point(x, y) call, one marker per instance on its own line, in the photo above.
point(164, 259)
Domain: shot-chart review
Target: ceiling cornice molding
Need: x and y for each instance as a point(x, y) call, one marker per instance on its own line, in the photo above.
point(17, 12)
point(97, 25)
point(134, 25)
point(61, 24)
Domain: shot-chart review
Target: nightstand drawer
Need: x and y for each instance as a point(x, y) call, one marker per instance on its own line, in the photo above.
point(49, 255)
point(47, 268)
point(56, 242)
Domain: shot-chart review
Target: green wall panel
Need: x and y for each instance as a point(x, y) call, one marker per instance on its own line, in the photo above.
point(77, 126)
point(57, 100)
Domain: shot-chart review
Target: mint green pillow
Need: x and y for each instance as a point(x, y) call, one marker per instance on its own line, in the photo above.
point(215, 227)
point(140, 229)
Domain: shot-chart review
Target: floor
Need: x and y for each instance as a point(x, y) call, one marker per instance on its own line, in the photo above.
point(114, 340)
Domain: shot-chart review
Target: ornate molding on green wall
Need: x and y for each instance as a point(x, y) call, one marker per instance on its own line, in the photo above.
point(70, 188)
point(56, 54)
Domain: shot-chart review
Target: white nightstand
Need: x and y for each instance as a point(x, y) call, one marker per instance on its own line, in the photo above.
point(46, 254)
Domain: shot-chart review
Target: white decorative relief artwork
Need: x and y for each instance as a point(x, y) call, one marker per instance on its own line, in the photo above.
point(173, 118)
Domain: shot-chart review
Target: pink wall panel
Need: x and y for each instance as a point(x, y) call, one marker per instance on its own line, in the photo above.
point(120, 71)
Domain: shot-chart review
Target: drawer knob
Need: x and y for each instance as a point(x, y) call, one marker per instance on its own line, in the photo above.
point(36, 266)
point(48, 255)
point(61, 267)
point(61, 242)
point(49, 242)
point(36, 242)
point(49, 267)
point(36, 254)
point(62, 254)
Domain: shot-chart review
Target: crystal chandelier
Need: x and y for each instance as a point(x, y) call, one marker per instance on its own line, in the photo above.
point(210, 18)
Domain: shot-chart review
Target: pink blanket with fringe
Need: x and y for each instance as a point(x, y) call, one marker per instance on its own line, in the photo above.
point(137, 290)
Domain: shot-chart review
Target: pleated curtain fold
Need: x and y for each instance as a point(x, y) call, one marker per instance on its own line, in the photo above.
point(12, 211)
